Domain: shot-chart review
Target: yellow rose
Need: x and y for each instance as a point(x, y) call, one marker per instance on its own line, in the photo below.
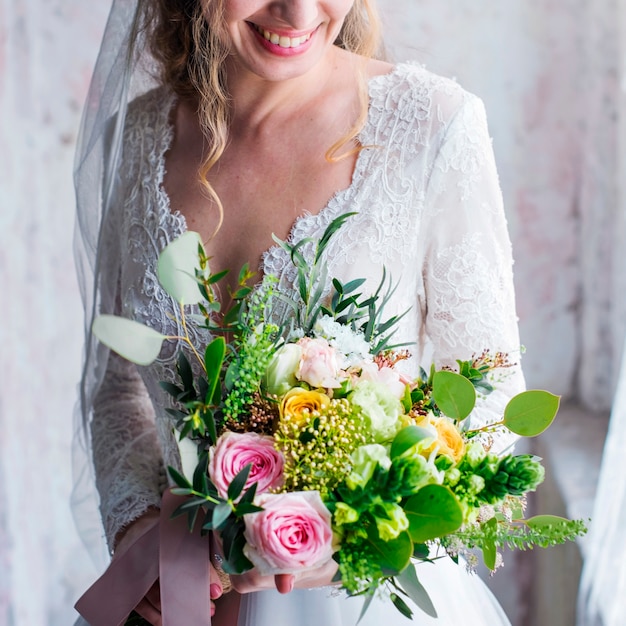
point(298, 404)
point(449, 440)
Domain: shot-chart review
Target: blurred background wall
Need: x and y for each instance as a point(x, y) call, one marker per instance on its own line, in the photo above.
point(550, 75)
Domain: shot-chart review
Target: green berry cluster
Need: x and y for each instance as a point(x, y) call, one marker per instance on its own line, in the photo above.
point(317, 447)
point(358, 564)
point(253, 358)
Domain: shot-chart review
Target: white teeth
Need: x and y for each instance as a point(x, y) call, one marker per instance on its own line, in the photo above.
point(282, 41)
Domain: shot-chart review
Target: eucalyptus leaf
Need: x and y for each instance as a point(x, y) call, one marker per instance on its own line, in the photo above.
point(410, 584)
point(529, 413)
point(407, 438)
point(131, 340)
point(454, 394)
point(544, 521)
point(177, 267)
point(392, 556)
point(433, 512)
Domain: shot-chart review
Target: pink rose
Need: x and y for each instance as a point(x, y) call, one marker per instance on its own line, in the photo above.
point(291, 534)
point(234, 451)
point(318, 364)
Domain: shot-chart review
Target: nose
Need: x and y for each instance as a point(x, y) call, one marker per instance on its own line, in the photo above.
point(297, 14)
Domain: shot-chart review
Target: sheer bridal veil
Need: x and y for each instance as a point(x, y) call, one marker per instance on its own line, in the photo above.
point(123, 71)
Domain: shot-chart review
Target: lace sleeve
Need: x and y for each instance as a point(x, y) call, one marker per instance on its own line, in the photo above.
point(128, 466)
point(468, 282)
point(126, 453)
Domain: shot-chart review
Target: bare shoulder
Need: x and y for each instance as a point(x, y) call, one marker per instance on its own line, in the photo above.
point(378, 68)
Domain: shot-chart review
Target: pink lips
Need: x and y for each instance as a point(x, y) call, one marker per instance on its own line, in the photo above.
point(279, 50)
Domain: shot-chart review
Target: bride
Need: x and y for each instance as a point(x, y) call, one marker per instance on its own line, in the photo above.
point(243, 118)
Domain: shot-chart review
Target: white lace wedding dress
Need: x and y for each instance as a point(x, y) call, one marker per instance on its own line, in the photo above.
point(429, 211)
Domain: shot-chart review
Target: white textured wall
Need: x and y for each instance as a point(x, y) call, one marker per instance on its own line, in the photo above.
point(47, 49)
point(547, 74)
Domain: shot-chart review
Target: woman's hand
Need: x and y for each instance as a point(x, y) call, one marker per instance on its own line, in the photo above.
point(149, 607)
point(253, 581)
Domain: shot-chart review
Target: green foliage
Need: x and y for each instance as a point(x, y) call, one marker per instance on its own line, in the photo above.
point(407, 438)
point(433, 512)
point(529, 413)
point(518, 534)
point(409, 583)
point(347, 306)
point(133, 341)
point(453, 394)
point(391, 556)
point(177, 266)
point(516, 476)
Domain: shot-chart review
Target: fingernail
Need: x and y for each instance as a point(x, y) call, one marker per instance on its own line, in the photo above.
point(215, 591)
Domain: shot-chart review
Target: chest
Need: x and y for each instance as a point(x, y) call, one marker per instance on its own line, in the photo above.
point(262, 189)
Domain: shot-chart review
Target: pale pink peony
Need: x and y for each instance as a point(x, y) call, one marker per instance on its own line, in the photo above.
point(387, 376)
point(234, 451)
point(290, 535)
point(318, 364)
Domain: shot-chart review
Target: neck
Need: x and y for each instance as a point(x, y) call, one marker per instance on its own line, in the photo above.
point(256, 99)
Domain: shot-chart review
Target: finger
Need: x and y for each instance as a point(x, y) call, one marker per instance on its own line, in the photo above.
point(284, 582)
point(154, 596)
point(148, 612)
point(252, 581)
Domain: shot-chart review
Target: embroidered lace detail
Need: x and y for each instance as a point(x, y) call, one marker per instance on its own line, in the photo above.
point(428, 209)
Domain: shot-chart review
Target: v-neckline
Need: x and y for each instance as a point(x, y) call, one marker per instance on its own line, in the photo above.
point(306, 221)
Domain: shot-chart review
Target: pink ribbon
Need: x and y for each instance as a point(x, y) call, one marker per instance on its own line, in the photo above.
point(168, 551)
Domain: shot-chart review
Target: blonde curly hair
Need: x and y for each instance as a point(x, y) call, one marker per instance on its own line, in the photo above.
point(187, 41)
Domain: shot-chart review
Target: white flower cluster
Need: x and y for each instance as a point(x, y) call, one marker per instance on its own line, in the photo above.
point(351, 345)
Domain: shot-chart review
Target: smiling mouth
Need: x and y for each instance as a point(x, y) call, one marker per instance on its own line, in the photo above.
point(281, 40)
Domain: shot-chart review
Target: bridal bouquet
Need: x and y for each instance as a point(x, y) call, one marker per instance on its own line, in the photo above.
point(302, 440)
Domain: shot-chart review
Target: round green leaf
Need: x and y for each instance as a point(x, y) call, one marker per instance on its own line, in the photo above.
point(394, 555)
point(543, 521)
point(407, 438)
point(433, 512)
point(176, 268)
point(131, 340)
point(529, 413)
point(453, 394)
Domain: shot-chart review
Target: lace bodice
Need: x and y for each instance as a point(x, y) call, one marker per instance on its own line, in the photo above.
point(429, 210)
